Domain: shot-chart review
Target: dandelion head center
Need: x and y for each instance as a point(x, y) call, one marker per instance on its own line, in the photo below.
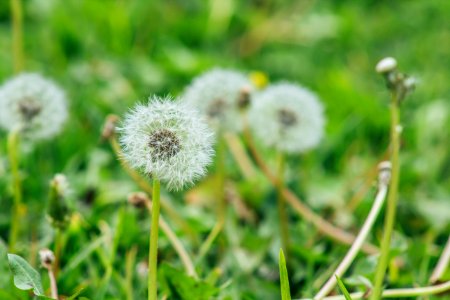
point(28, 109)
point(287, 118)
point(216, 108)
point(164, 144)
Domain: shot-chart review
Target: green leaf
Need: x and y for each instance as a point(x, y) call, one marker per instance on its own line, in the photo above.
point(343, 288)
point(25, 277)
point(284, 279)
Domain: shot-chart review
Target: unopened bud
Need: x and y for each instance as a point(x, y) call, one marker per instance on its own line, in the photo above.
point(109, 128)
point(386, 65)
point(58, 211)
point(47, 258)
point(142, 269)
point(409, 83)
point(138, 199)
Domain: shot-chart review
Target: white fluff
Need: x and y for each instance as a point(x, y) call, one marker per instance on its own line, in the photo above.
point(287, 117)
point(218, 86)
point(33, 104)
point(190, 141)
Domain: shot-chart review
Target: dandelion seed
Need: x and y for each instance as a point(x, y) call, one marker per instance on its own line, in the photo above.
point(287, 117)
point(168, 140)
point(35, 105)
point(220, 95)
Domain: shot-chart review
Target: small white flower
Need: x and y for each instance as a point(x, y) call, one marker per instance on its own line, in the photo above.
point(167, 140)
point(34, 104)
point(287, 117)
point(386, 65)
point(220, 95)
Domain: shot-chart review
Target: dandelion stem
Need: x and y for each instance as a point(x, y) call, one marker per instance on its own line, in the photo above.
point(130, 260)
point(238, 151)
point(153, 249)
point(13, 154)
point(356, 246)
point(399, 293)
point(58, 248)
point(17, 35)
point(391, 200)
point(442, 264)
point(222, 205)
point(322, 225)
point(53, 284)
point(144, 185)
point(282, 212)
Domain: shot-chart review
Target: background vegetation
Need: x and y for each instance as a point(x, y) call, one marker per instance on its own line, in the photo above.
point(110, 54)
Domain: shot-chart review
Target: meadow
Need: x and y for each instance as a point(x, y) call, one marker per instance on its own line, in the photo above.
point(224, 149)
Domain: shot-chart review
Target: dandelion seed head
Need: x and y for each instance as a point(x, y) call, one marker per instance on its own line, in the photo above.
point(34, 104)
point(287, 117)
point(220, 95)
point(386, 65)
point(168, 140)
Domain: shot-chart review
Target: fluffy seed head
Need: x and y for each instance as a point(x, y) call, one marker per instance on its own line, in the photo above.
point(167, 140)
point(35, 105)
point(386, 65)
point(287, 117)
point(220, 95)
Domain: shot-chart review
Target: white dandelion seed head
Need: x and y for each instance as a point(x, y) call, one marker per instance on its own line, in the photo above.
point(287, 117)
point(167, 140)
point(386, 65)
point(34, 104)
point(220, 95)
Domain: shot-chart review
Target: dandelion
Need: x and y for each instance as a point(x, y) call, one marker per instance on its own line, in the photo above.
point(167, 140)
point(287, 117)
point(34, 105)
point(220, 95)
point(172, 144)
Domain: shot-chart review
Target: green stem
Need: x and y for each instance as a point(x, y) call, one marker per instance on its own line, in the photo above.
point(13, 147)
point(391, 200)
point(153, 251)
point(282, 212)
point(17, 34)
point(58, 249)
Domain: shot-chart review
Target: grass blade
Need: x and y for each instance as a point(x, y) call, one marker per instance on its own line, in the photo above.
point(343, 288)
point(284, 279)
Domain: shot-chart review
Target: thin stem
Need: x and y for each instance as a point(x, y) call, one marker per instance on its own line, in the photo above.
point(322, 225)
point(13, 154)
point(282, 213)
point(399, 293)
point(356, 246)
point(153, 249)
point(222, 205)
point(240, 156)
point(17, 35)
point(130, 260)
point(58, 249)
point(442, 264)
point(53, 285)
point(391, 201)
point(144, 185)
point(177, 245)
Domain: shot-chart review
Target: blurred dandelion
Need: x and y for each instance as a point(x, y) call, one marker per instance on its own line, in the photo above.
point(34, 105)
point(167, 140)
point(287, 117)
point(220, 95)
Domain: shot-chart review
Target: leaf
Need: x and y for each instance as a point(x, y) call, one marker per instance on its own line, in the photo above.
point(284, 279)
point(25, 277)
point(343, 288)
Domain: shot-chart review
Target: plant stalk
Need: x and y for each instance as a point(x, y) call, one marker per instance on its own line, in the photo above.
point(391, 200)
point(153, 250)
point(13, 155)
point(17, 35)
point(442, 263)
point(282, 212)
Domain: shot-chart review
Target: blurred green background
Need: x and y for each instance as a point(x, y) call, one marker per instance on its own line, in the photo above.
point(110, 54)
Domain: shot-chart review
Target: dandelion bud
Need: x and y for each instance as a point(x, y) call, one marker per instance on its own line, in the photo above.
point(167, 140)
point(409, 83)
point(384, 172)
point(287, 117)
point(58, 211)
point(109, 127)
point(34, 104)
point(386, 65)
point(220, 95)
point(142, 269)
point(47, 258)
point(138, 199)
